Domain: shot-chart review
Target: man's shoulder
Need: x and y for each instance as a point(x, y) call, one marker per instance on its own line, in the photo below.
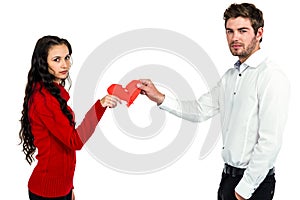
point(269, 67)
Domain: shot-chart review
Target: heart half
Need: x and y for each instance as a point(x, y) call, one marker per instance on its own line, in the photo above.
point(128, 94)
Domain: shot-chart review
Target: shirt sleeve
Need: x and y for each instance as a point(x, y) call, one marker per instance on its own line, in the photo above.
point(273, 94)
point(194, 110)
point(59, 126)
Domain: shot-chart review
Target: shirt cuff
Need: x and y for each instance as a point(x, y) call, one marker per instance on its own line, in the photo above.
point(168, 103)
point(244, 189)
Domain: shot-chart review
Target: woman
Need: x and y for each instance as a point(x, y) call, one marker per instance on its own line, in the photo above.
point(48, 123)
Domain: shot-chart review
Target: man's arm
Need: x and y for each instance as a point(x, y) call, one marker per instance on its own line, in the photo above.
point(193, 110)
point(273, 97)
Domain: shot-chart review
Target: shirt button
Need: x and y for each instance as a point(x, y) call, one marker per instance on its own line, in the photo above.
point(234, 93)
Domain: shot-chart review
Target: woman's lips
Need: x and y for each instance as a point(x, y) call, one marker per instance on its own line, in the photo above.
point(64, 72)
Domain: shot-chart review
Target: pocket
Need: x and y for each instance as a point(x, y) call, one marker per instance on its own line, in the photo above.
point(272, 184)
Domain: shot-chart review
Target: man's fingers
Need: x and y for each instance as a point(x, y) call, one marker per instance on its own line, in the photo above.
point(141, 86)
point(149, 89)
point(146, 82)
point(143, 92)
point(145, 85)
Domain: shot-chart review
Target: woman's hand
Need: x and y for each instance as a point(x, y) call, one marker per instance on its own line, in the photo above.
point(110, 101)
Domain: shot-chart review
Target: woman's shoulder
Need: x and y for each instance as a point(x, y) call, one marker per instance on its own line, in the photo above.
point(42, 97)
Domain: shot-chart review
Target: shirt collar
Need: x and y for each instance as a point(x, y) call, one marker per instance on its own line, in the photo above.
point(237, 65)
point(253, 61)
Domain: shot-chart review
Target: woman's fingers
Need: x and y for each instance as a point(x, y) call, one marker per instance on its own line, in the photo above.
point(110, 101)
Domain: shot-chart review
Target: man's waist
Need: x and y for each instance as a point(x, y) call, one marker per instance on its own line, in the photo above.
point(234, 171)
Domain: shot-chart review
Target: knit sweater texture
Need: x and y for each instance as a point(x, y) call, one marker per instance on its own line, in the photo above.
point(57, 141)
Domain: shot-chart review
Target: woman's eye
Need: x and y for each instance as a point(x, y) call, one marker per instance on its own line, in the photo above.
point(56, 59)
point(68, 57)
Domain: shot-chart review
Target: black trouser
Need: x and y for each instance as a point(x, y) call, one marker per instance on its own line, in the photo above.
point(265, 191)
point(36, 197)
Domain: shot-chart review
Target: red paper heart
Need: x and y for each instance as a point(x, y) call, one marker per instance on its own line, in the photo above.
point(128, 94)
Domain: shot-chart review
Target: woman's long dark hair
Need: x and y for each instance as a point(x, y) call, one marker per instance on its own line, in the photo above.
point(39, 73)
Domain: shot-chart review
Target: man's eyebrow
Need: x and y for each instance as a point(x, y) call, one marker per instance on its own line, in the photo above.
point(242, 28)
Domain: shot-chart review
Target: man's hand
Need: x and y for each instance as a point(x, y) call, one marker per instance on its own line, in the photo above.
point(149, 89)
point(238, 196)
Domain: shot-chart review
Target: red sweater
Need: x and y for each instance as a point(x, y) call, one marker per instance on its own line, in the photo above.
point(56, 141)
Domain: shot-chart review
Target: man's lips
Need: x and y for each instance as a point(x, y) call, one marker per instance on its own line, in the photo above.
point(235, 46)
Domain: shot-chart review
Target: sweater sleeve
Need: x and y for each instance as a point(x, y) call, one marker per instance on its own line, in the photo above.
point(59, 127)
point(90, 121)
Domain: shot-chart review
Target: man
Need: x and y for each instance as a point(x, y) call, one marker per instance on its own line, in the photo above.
point(252, 98)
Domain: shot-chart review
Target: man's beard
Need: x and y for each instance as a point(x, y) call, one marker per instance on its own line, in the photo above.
point(245, 52)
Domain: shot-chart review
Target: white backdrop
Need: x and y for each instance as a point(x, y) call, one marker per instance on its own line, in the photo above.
point(87, 24)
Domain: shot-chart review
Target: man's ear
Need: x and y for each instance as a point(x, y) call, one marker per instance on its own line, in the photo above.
point(259, 33)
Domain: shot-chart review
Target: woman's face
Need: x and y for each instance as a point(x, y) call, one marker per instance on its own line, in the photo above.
point(59, 62)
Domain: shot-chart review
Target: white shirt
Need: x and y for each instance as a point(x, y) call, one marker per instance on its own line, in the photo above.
point(253, 103)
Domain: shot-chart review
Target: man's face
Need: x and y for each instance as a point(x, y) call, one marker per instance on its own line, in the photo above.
point(241, 39)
